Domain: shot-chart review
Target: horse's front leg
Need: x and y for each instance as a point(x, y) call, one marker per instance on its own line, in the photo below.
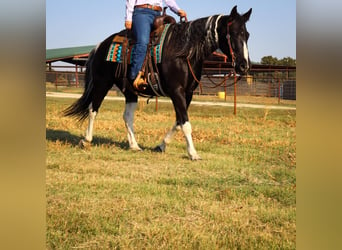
point(128, 117)
point(181, 104)
point(187, 130)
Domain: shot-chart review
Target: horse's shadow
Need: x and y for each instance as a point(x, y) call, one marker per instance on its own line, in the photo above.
point(74, 140)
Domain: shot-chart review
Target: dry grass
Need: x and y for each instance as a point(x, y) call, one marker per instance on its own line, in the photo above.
point(240, 196)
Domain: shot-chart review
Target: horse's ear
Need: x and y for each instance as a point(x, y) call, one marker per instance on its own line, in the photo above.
point(247, 15)
point(233, 13)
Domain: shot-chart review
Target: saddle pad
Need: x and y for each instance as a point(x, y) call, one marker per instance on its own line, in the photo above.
point(115, 49)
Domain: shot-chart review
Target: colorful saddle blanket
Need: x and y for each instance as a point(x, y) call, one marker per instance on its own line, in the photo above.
point(115, 53)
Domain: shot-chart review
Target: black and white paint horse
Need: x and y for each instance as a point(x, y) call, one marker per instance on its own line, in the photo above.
point(186, 46)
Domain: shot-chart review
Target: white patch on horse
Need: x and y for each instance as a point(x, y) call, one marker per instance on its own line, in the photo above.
point(187, 130)
point(128, 117)
point(208, 27)
point(89, 131)
point(245, 52)
point(216, 34)
point(208, 22)
point(168, 137)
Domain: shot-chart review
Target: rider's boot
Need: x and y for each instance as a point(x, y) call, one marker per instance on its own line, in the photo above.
point(140, 82)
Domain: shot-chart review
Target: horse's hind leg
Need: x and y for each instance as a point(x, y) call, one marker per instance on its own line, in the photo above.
point(89, 131)
point(128, 117)
point(99, 94)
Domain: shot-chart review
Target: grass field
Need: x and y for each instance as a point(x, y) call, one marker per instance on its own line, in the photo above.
point(242, 195)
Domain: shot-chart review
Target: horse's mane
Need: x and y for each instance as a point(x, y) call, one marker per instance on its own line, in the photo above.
point(195, 39)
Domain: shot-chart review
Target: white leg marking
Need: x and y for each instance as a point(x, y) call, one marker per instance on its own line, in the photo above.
point(187, 130)
point(89, 131)
point(128, 117)
point(245, 53)
point(168, 137)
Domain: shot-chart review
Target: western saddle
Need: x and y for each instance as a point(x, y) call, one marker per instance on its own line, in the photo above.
point(149, 67)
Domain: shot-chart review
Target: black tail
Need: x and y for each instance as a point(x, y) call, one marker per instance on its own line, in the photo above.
point(80, 108)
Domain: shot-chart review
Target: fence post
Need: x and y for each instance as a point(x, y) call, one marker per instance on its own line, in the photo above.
point(56, 82)
point(225, 89)
point(278, 90)
point(234, 94)
point(76, 75)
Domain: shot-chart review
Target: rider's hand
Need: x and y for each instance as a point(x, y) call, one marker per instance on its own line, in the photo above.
point(128, 25)
point(181, 13)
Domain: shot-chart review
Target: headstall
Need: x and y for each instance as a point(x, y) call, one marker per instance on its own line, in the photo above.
point(230, 45)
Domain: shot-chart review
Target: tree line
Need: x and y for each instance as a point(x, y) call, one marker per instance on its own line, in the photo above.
point(286, 61)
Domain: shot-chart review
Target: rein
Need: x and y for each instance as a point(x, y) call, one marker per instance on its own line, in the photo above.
point(226, 77)
point(223, 81)
point(230, 45)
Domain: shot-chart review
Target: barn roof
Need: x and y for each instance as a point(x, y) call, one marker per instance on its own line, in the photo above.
point(74, 55)
point(79, 56)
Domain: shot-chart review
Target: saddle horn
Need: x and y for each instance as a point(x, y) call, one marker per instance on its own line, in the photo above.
point(163, 19)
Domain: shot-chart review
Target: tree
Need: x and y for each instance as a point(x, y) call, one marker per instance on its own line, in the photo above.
point(269, 60)
point(286, 61)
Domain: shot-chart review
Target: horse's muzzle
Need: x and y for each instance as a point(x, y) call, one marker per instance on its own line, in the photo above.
point(242, 68)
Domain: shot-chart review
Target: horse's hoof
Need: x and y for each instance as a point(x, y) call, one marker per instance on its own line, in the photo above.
point(84, 144)
point(195, 157)
point(158, 149)
point(136, 149)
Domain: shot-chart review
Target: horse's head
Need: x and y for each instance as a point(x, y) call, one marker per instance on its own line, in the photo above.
point(233, 37)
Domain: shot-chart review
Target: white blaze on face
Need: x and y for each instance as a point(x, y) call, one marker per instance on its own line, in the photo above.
point(245, 53)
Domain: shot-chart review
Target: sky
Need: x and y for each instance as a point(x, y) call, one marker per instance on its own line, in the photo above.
point(272, 25)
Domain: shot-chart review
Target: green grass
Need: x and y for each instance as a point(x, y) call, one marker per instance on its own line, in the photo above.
point(242, 195)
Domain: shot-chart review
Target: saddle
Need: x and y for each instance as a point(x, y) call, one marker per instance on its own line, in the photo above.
point(122, 46)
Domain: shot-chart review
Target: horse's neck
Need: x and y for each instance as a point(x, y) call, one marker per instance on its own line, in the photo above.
point(209, 37)
point(194, 40)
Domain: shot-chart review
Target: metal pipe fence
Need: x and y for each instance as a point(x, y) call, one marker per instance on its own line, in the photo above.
point(277, 84)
